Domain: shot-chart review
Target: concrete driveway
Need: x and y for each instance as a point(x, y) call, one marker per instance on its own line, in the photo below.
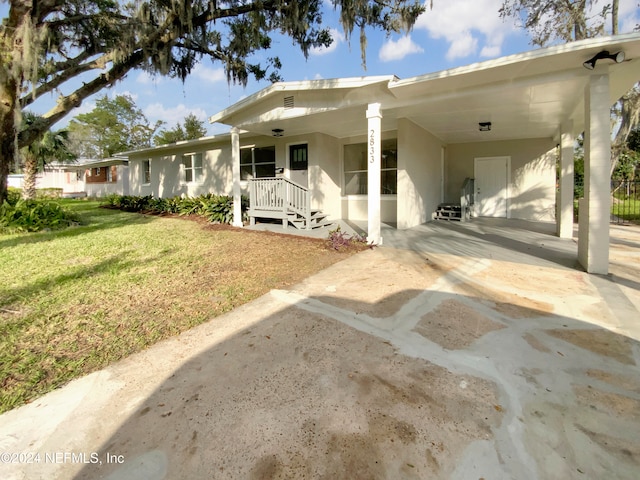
point(473, 351)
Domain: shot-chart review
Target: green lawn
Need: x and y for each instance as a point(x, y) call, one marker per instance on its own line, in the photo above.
point(627, 209)
point(75, 300)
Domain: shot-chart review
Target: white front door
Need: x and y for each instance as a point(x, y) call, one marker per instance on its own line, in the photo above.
point(299, 164)
point(491, 184)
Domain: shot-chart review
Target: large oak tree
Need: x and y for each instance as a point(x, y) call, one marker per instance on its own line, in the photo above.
point(46, 44)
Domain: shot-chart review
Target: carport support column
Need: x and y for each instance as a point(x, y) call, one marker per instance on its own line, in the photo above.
point(564, 213)
point(374, 154)
point(594, 210)
point(235, 172)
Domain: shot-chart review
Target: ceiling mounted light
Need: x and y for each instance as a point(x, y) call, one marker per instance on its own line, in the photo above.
point(616, 57)
point(277, 132)
point(484, 126)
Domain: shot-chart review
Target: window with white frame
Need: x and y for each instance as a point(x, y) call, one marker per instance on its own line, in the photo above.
point(192, 163)
point(146, 172)
point(257, 162)
point(355, 168)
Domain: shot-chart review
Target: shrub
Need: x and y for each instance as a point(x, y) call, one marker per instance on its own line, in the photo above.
point(216, 208)
point(33, 216)
point(339, 239)
point(219, 209)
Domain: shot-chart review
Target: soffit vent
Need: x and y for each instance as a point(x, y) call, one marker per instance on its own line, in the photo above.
point(288, 102)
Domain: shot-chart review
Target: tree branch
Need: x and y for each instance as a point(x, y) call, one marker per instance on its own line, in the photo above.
point(69, 73)
point(75, 99)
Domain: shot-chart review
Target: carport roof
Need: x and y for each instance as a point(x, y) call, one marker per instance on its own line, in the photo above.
point(527, 95)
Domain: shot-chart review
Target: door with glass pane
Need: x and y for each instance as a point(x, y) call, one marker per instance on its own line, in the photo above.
point(299, 164)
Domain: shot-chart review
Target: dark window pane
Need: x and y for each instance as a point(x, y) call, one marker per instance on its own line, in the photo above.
point(389, 154)
point(246, 172)
point(264, 154)
point(389, 182)
point(266, 170)
point(246, 155)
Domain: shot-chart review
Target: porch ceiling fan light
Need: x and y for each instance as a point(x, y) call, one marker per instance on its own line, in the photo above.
point(484, 126)
point(277, 132)
point(616, 57)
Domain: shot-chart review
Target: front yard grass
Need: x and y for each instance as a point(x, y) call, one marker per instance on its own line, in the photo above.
point(76, 300)
point(627, 209)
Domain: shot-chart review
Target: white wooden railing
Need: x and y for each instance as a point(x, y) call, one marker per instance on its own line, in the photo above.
point(279, 195)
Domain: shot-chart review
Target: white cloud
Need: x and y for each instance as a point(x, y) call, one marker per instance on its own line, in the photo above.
point(208, 74)
point(145, 78)
point(397, 50)
point(171, 116)
point(467, 25)
point(337, 39)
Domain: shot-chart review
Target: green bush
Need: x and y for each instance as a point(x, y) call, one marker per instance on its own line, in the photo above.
point(33, 216)
point(216, 208)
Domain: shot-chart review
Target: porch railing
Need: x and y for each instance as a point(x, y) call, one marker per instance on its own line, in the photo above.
point(625, 201)
point(279, 195)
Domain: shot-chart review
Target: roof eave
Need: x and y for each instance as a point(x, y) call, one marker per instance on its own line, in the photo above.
point(335, 83)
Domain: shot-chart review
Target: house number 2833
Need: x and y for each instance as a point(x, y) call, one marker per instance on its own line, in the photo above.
point(372, 146)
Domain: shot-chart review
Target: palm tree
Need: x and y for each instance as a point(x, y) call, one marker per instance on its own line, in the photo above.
point(52, 146)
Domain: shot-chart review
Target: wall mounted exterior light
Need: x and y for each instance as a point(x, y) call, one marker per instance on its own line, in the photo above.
point(616, 57)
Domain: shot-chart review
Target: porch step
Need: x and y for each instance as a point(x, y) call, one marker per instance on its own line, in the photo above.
point(449, 211)
point(317, 220)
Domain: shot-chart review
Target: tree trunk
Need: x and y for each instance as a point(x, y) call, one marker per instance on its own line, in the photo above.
point(614, 17)
point(8, 136)
point(30, 171)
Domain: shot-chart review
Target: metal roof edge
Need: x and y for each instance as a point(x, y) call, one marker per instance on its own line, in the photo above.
point(519, 57)
point(182, 143)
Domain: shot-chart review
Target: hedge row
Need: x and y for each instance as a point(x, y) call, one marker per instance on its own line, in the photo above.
point(216, 208)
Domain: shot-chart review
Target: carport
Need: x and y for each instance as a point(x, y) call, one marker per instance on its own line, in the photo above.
point(545, 97)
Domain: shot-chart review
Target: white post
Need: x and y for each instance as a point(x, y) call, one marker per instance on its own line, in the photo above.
point(593, 235)
point(374, 158)
point(564, 215)
point(235, 171)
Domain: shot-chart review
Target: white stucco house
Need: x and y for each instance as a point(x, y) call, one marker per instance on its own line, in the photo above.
point(383, 149)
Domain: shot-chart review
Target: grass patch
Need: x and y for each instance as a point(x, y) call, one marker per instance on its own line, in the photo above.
point(627, 209)
point(76, 300)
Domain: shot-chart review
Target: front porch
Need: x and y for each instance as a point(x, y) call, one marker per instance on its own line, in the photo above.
point(280, 198)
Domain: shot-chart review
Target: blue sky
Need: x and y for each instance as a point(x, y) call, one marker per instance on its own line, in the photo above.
point(453, 33)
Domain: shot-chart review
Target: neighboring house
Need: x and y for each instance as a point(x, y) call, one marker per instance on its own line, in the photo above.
point(98, 178)
point(381, 149)
point(84, 177)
